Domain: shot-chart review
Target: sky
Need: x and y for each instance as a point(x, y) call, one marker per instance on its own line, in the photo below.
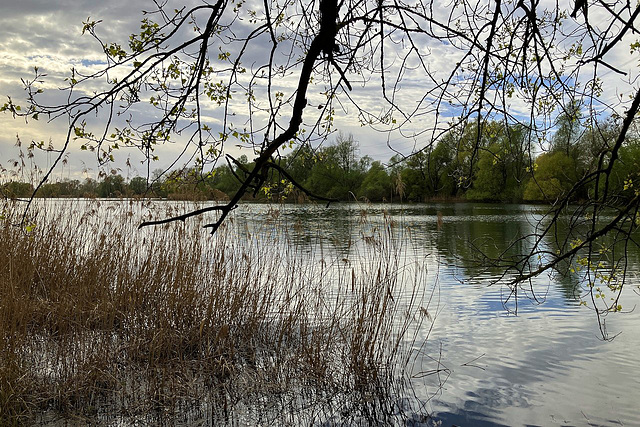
point(47, 34)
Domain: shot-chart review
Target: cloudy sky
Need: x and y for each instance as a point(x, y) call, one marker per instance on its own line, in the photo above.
point(47, 34)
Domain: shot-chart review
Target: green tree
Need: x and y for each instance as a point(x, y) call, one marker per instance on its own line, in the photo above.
point(624, 181)
point(300, 162)
point(111, 186)
point(89, 188)
point(413, 177)
point(49, 190)
point(14, 189)
point(138, 185)
point(223, 180)
point(568, 129)
point(339, 170)
point(554, 176)
point(376, 185)
point(69, 188)
point(441, 165)
point(490, 177)
point(501, 167)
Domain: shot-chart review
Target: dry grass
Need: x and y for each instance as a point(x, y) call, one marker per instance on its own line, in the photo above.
point(99, 321)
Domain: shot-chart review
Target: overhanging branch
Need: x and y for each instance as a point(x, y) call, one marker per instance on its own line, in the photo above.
point(325, 35)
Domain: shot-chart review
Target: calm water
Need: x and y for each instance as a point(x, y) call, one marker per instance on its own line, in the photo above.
point(547, 365)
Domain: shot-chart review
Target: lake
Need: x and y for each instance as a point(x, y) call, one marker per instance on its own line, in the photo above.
point(546, 365)
point(481, 363)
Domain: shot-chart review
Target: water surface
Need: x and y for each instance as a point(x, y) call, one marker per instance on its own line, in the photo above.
point(546, 365)
point(482, 364)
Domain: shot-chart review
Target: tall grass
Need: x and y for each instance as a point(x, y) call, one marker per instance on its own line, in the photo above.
point(100, 321)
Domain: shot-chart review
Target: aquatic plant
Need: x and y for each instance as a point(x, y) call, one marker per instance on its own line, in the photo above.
point(100, 321)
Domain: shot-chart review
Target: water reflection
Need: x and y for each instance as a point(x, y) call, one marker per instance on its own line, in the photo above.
point(545, 366)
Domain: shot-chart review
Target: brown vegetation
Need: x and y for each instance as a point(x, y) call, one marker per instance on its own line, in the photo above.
point(101, 321)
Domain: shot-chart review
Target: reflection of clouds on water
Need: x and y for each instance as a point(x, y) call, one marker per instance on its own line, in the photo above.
point(540, 364)
point(544, 366)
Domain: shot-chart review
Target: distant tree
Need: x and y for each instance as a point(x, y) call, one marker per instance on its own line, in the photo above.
point(412, 175)
point(554, 177)
point(50, 190)
point(14, 189)
point(89, 188)
point(339, 170)
point(376, 185)
point(300, 162)
point(69, 188)
point(441, 165)
point(568, 130)
point(111, 186)
point(625, 175)
point(138, 185)
point(490, 176)
point(501, 167)
point(225, 181)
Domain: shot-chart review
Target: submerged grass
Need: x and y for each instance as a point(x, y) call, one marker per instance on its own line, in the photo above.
point(100, 321)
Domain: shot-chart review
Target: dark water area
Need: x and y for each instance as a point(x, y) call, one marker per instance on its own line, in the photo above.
point(547, 365)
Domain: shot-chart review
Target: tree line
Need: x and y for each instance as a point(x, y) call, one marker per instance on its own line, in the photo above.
point(488, 164)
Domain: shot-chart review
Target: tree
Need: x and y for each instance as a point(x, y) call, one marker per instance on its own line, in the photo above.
point(568, 130)
point(376, 185)
point(413, 177)
point(501, 166)
point(339, 170)
point(555, 175)
point(112, 186)
point(138, 185)
point(14, 189)
point(490, 178)
point(441, 164)
point(511, 61)
point(89, 188)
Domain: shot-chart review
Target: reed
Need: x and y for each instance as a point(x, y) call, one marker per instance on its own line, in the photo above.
point(100, 321)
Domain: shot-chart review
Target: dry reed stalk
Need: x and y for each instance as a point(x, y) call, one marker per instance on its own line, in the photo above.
point(100, 320)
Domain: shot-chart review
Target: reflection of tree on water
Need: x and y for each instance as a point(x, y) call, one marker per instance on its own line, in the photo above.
point(480, 243)
point(334, 226)
point(474, 238)
point(595, 273)
point(498, 242)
